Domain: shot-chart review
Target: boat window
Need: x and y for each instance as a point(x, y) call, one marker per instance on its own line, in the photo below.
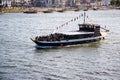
point(80, 26)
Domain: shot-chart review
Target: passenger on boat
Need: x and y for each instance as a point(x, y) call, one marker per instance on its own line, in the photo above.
point(53, 37)
point(36, 38)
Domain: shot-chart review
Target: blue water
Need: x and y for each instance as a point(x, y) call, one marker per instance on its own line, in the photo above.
point(19, 60)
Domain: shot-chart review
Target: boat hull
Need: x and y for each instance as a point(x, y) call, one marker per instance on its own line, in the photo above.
point(55, 44)
point(30, 12)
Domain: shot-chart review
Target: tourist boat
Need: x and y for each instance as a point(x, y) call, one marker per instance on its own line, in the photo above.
point(86, 33)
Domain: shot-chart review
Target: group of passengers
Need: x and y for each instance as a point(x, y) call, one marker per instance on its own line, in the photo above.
point(51, 37)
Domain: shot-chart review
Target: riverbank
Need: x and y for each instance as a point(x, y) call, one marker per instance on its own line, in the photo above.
point(19, 9)
point(13, 10)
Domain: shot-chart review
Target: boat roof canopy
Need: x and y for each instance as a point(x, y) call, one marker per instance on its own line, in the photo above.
point(75, 33)
point(89, 25)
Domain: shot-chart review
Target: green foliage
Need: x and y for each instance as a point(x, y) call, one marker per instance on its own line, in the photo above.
point(0, 1)
point(115, 2)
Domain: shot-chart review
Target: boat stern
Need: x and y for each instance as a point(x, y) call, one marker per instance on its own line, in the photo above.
point(104, 33)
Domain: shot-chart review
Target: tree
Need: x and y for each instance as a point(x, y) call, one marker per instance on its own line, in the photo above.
point(0, 6)
point(117, 2)
point(112, 2)
point(0, 1)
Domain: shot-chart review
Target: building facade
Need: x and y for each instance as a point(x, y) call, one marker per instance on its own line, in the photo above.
point(105, 2)
point(70, 3)
point(49, 3)
point(57, 3)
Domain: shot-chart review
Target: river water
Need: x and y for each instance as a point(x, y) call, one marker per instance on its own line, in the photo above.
point(19, 60)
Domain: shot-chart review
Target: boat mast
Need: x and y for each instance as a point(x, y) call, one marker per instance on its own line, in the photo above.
point(84, 17)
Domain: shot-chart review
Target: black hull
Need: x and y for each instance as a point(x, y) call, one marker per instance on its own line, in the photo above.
point(30, 12)
point(47, 11)
point(65, 43)
point(60, 11)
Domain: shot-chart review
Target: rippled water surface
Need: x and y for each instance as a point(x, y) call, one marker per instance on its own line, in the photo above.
point(19, 60)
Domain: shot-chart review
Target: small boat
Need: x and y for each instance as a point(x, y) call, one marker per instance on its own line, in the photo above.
point(117, 7)
point(1, 6)
point(86, 9)
point(77, 9)
point(30, 11)
point(95, 8)
point(61, 10)
point(85, 33)
point(48, 11)
point(1, 13)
